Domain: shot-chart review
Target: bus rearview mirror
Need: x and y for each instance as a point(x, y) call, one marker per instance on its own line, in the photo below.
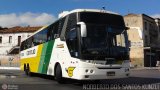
point(83, 29)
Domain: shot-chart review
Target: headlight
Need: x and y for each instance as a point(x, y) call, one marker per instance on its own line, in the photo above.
point(91, 71)
point(86, 70)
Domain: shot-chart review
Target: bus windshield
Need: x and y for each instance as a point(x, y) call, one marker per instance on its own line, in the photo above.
point(104, 38)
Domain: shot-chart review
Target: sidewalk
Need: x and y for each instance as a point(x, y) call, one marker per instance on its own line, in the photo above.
point(10, 68)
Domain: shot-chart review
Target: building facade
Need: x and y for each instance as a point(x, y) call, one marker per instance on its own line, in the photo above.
point(10, 40)
point(143, 35)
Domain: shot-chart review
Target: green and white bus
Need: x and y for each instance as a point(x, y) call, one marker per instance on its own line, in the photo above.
point(83, 44)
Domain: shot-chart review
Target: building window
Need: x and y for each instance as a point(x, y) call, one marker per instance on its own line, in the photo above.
point(146, 40)
point(10, 39)
point(19, 40)
point(150, 26)
point(0, 39)
point(145, 25)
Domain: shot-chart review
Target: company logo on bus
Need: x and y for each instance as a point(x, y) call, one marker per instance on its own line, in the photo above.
point(70, 71)
point(30, 52)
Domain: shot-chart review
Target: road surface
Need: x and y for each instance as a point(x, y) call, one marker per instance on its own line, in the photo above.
point(139, 79)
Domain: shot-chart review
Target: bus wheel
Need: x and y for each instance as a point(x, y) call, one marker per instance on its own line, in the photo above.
point(24, 67)
point(27, 71)
point(58, 74)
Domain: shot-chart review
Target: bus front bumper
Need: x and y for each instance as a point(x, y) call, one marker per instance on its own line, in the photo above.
point(100, 74)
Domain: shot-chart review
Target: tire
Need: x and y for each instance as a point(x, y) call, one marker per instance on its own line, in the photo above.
point(58, 74)
point(27, 71)
point(24, 67)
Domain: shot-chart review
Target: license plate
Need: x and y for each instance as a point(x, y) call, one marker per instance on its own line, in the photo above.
point(110, 73)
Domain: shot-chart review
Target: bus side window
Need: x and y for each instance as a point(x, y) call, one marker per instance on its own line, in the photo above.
point(22, 46)
point(61, 25)
point(25, 45)
point(71, 35)
point(35, 41)
point(49, 33)
point(52, 30)
point(33, 44)
point(44, 35)
point(72, 42)
point(41, 37)
point(55, 30)
point(29, 43)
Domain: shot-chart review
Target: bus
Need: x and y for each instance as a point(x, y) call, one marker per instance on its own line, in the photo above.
point(83, 44)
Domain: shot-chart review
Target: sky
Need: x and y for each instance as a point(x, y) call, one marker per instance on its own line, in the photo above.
point(44, 12)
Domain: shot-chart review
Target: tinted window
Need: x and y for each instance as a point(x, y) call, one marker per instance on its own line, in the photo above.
point(61, 23)
point(102, 18)
point(22, 45)
point(72, 21)
point(71, 35)
point(29, 42)
point(40, 37)
point(54, 30)
point(72, 42)
point(50, 33)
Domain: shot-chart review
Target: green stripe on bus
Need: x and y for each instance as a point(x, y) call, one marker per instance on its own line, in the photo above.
point(44, 49)
point(48, 56)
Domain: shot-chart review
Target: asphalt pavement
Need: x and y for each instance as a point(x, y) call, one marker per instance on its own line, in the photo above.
point(139, 79)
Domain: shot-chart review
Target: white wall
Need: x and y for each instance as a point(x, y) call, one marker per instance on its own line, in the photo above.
point(5, 46)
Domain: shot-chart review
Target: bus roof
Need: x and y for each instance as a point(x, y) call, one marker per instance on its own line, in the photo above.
point(64, 13)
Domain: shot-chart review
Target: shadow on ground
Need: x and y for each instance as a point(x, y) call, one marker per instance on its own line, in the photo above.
point(124, 81)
